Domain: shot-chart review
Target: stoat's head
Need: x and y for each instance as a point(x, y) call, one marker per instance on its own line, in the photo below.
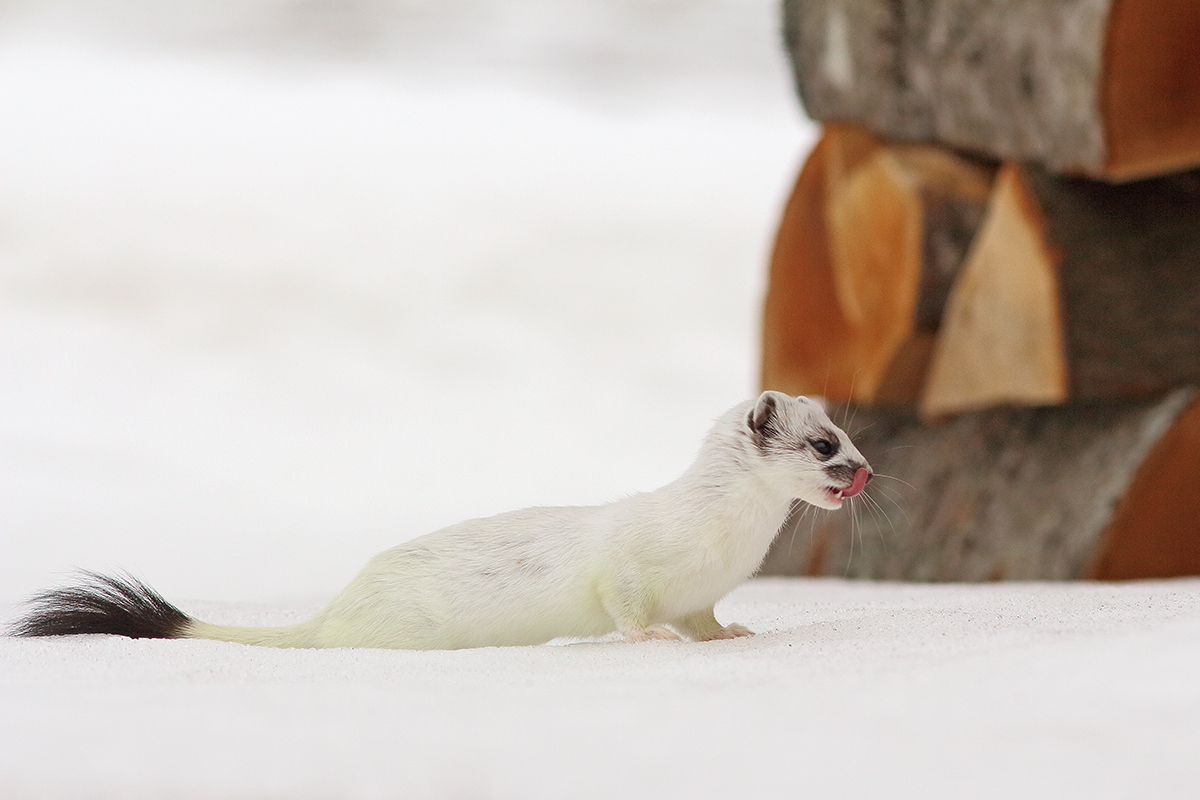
point(799, 449)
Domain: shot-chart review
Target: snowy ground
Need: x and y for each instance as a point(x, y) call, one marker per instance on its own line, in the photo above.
point(284, 283)
point(850, 690)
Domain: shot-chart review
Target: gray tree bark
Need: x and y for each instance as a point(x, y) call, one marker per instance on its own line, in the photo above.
point(1109, 88)
point(1018, 79)
point(1129, 278)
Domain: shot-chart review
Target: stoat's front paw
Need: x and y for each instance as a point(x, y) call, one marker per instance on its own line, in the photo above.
point(652, 634)
point(732, 631)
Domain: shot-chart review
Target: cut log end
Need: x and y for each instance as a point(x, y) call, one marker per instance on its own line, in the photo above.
point(1001, 338)
point(1155, 532)
point(869, 244)
point(1151, 97)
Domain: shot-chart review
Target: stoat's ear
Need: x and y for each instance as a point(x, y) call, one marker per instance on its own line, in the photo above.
point(759, 416)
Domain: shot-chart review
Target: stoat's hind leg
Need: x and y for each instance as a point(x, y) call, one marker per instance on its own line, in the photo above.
point(702, 626)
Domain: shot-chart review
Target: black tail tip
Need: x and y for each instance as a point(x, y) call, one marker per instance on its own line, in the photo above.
point(120, 605)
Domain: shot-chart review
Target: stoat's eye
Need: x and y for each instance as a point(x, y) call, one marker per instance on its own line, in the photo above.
point(824, 447)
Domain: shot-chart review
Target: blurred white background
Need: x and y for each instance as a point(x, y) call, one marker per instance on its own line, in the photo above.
point(287, 282)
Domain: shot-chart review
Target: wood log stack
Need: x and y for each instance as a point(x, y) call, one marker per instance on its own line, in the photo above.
point(993, 256)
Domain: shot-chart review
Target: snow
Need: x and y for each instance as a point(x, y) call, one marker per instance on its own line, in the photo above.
point(849, 690)
point(283, 284)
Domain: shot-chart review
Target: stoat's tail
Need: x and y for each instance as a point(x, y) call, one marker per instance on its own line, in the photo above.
point(125, 606)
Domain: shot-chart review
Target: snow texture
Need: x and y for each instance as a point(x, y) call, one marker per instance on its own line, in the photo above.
point(284, 283)
point(850, 690)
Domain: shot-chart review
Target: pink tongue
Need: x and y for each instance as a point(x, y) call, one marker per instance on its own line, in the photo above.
point(860, 480)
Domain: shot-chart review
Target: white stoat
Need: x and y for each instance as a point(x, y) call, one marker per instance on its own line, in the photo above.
point(637, 566)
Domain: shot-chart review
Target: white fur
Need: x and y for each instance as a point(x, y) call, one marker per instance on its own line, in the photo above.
point(658, 558)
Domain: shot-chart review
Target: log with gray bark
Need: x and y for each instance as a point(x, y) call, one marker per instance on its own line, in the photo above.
point(1109, 88)
point(1105, 490)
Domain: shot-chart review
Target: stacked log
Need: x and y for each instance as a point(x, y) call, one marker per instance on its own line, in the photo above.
point(1074, 290)
point(997, 236)
point(871, 240)
point(1109, 88)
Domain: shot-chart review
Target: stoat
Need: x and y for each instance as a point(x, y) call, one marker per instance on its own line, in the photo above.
point(650, 566)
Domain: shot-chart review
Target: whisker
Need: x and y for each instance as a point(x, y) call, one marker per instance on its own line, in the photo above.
point(854, 523)
point(812, 533)
point(893, 491)
point(890, 493)
point(855, 412)
point(899, 506)
point(791, 512)
point(868, 427)
point(877, 511)
point(894, 478)
point(797, 512)
point(850, 396)
point(899, 447)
